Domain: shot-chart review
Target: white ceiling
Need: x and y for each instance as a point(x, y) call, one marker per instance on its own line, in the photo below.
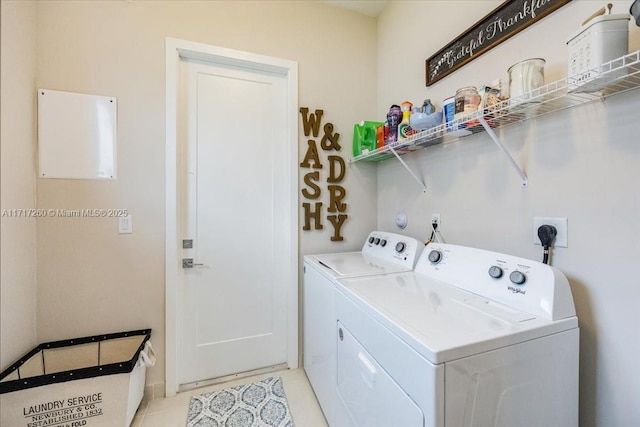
point(366, 7)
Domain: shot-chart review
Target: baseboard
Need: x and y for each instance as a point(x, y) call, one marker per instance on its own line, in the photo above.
point(153, 391)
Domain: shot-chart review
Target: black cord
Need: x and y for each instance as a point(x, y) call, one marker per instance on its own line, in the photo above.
point(434, 226)
point(546, 234)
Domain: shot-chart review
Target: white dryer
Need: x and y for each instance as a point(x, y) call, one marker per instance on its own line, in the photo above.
point(382, 253)
point(470, 338)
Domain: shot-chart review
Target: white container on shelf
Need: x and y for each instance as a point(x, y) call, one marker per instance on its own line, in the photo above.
point(524, 77)
point(603, 39)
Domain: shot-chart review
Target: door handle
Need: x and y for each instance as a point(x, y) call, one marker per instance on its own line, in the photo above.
point(188, 263)
point(368, 371)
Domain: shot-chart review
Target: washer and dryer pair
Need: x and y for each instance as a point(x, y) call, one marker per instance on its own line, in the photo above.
point(469, 338)
point(382, 253)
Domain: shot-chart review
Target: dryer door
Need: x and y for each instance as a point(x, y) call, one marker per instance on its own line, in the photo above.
point(367, 395)
point(320, 338)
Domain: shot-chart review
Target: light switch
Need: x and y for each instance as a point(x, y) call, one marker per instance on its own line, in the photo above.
point(125, 225)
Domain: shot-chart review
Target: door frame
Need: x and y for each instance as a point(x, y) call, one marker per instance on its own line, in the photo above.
point(175, 50)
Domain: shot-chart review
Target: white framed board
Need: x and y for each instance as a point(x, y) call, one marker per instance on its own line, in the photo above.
point(77, 135)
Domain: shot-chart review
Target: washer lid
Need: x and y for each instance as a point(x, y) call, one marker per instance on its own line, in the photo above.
point(443, 322)
point(349, 264)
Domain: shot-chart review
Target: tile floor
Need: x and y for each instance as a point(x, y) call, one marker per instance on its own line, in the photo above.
point(172, 411)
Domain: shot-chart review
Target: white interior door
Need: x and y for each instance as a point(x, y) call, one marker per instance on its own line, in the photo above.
point(235, 169)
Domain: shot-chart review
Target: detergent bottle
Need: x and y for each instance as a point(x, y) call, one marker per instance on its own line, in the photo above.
point(394, 117)
point(427, 107)
point(404, 129)
point(364, 137)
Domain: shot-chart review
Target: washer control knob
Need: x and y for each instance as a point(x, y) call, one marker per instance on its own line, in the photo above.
point(371, 239)
point(495, 272)
point(435, 256)
point(517, 277)
point(383, 243)
point(377, 242)
point(400, 247)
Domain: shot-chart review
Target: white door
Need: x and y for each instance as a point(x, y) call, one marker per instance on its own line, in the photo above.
point(235, 168)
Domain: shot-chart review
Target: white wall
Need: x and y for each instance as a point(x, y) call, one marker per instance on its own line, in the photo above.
point(92, 280)
point(17, 136)
point(582, 164)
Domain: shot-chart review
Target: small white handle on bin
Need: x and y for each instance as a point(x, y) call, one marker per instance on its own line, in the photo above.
point(148, 355)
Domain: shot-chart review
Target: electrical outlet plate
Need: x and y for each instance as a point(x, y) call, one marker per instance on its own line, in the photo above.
point(436, 218)
point(562, 238)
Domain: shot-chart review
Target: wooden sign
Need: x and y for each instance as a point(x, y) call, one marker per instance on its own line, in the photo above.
point(337, 207)
point(506, 20)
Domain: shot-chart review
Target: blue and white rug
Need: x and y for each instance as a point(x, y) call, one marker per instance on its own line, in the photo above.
point(259, 404)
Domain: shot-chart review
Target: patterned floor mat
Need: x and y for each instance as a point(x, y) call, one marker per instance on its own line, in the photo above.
point(258, 404)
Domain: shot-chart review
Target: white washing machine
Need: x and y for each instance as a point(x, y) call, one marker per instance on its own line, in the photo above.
point(470, 338)
point(382, 253)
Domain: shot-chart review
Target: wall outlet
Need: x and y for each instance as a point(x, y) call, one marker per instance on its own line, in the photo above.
point(435, 218)
point(562, 238)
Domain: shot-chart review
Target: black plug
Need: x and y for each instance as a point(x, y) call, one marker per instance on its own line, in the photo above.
point(546, 234)
point(434, 227)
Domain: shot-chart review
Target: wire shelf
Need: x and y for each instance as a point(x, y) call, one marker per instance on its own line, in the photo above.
point(611, 78)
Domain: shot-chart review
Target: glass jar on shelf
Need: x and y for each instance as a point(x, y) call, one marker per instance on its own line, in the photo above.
point(467, 101)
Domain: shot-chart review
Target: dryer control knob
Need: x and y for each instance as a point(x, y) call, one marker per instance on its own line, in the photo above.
point(377, 241)
point(435, 256)
point(383, 243)
point(400, 247)
point(371, 239)
point(495, 272)
point(517, 277)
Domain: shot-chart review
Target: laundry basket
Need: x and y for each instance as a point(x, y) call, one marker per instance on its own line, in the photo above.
point(83, 382)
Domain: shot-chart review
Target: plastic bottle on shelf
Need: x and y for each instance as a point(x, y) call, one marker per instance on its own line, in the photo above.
point(427, 107)
point(418, 119)
point(404, 130)
point(394, 117)
point(365, 137)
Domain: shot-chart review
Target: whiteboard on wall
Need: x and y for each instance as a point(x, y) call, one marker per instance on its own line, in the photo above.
point(76, 135)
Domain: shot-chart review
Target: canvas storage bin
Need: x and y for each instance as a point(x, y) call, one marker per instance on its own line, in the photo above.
point(93, 381)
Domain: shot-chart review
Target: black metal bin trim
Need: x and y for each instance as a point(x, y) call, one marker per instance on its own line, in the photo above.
point(75, 374)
